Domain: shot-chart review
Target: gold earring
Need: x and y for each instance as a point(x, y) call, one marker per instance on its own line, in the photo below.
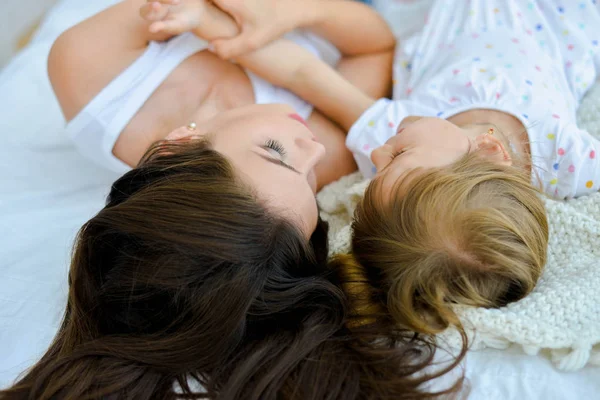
point(191, 126)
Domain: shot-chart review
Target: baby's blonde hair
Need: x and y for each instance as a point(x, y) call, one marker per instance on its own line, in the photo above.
point(473, 233)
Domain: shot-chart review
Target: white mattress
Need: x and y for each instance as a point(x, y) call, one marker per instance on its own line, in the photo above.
point(47, 191)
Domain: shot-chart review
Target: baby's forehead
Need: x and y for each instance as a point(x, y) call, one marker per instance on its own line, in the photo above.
point(389, 186)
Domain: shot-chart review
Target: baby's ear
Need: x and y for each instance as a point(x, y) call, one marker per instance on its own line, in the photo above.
point(492, 148)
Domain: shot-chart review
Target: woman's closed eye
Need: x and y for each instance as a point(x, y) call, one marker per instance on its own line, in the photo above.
point(277, 153)
point(274, 147)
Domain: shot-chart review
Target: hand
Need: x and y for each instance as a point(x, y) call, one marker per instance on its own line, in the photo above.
point(260, 21)
point(173, 17)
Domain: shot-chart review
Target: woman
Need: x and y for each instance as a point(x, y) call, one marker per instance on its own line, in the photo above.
point(187, 285)
point(123, 86)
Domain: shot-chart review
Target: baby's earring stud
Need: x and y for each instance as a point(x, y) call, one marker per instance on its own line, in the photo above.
point(490, 131)
point(192, 126)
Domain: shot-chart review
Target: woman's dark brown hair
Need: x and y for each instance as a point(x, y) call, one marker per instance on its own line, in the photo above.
point(186, 286)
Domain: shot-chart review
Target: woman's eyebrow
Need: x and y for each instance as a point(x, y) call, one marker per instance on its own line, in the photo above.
point(280, 163)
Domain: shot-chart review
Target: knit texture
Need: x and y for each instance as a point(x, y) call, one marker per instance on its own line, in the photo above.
point(562, 314)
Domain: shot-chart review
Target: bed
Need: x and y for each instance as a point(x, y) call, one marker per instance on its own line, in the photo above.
point(47, 191)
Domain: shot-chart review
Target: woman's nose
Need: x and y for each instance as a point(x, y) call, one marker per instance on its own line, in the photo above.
point(312, 151)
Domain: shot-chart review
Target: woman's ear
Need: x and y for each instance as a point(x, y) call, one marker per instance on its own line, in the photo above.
point(184, 133)
point(493, 149)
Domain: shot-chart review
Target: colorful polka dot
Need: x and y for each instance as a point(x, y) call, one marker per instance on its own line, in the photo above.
point(456, 71)
point(582, 6)
point(469, 84)
point(556, 116)
point(439, 114)
point(595, 42)
point(508, 66)
point(551, 136)
point(527, 81)
point(498, 95)
point(561, 10)
point(561, 152)
point(515, 40)
point(555, 166)
point(499, 55)
point(496, 11)
point(489, 46)
point(391, 124)
point(581, 26)
point(571, 168)
point(492, 78)
point(539, 27)
point(371, 123)
point(366, 147)
point(592, 154)
point(537, 67)
point(554, 181)
point(565, 32)
point(477, 59)
point(571, 46)
point(589, 184)
point(525, 116)
point(475, 36)
point(568, 64)
point(529, 32)
point(482, 70)
point(525, 97)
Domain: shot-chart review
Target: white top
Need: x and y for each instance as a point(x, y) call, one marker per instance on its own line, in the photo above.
point(96, 128)
point(532, 59)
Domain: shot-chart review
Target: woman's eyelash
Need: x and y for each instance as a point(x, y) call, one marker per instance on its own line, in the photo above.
point(275, 145)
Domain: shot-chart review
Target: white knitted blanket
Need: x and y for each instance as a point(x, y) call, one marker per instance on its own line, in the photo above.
point(562, 314)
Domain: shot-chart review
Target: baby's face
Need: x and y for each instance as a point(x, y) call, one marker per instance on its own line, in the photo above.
point(420, 143)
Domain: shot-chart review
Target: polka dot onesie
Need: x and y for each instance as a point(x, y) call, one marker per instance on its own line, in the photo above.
point(532, 59)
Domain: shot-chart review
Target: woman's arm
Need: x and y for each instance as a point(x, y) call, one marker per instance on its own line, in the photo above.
point(87, 57)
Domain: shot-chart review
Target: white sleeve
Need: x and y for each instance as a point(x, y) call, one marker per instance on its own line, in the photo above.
point(574, 167)
point(375, 126)
point(98, 125)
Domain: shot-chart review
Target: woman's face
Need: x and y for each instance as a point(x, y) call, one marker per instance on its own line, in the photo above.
point(273, 151)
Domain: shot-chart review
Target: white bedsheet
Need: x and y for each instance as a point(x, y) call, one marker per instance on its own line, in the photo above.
point(47, 191)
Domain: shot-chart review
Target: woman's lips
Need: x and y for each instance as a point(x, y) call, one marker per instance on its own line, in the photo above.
point(299, 119)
